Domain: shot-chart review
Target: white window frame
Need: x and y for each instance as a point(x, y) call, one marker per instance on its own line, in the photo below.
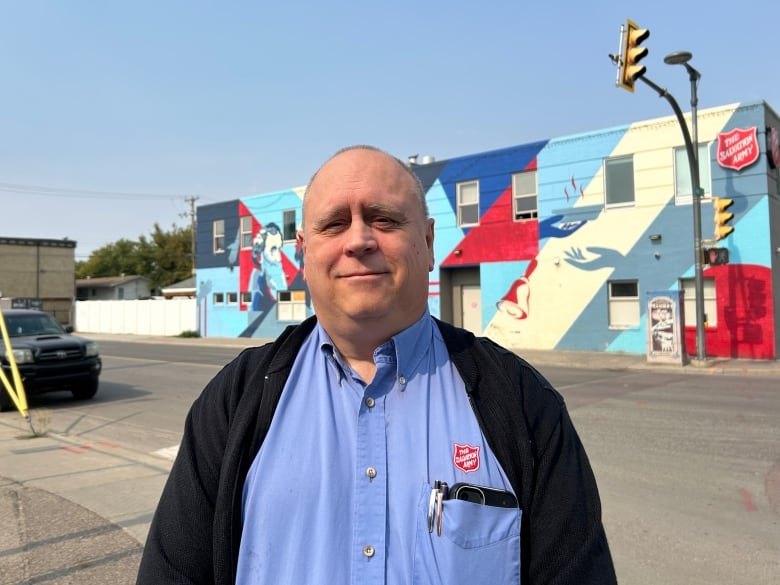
point(521, 194)
point(218, 298)
point(289, 229)
point(291, 305)
point(619, 188)
point(688, 286)
point(682, 174)
point(471, 190)
point(218, 236)
point(245, 229)
point(231, 298)
point(624, 310)
point(246, 298)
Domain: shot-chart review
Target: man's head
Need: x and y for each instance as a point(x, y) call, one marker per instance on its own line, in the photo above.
point(367, 243)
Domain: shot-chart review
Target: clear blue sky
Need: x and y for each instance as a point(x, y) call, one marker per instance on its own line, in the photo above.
point(113, 113)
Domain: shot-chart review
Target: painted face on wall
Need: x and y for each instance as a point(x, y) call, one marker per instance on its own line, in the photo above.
point(267, 245)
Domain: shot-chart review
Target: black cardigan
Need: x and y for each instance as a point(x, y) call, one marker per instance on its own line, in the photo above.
point(195, 533)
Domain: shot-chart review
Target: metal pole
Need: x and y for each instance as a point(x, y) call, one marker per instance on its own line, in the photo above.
point(701, 347)
point(696, 200)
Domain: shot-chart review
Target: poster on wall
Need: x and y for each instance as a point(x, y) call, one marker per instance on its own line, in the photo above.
point(665, 339)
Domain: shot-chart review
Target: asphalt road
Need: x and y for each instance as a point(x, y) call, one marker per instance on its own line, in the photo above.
point(688, 465)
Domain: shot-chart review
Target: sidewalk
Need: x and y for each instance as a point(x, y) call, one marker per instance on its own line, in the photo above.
point(55, 531)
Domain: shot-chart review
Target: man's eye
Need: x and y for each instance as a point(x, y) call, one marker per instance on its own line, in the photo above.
point(334, 226)
point(384, 221)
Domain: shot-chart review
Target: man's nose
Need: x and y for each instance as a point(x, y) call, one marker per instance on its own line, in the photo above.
point(360, 238)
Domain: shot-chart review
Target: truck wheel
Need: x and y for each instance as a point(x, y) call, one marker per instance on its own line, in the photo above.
point(86, 390)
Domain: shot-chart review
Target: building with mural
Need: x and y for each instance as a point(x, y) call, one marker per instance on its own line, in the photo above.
point(555, 244)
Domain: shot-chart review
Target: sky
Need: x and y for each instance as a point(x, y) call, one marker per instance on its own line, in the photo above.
point(115, 115)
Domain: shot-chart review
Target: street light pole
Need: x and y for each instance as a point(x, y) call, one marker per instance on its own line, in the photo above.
point(631, 37)
point(694, 169)
point(682, 58)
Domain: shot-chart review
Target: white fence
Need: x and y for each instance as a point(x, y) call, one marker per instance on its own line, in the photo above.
point(147, 317)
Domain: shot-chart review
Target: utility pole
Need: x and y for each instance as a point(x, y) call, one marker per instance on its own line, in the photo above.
point(191, 200)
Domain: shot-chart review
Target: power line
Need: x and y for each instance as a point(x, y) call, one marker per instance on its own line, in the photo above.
point(83, 193)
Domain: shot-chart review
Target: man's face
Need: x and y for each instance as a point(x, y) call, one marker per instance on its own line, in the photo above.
point(367, 245)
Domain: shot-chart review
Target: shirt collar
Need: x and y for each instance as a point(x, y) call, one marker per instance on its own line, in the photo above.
point(410, 346)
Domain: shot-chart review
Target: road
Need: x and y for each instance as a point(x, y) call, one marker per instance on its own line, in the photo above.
point(688, 464)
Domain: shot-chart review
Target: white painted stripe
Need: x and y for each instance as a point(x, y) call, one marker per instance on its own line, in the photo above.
point(167, 452)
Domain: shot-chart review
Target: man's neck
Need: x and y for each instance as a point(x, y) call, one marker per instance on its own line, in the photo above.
point(357, 342)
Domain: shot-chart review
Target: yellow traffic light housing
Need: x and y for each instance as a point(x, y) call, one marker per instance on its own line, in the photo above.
point(722, 217)
point(632, 54)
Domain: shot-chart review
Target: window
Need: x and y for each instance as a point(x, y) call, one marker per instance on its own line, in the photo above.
point(524, 201)
point(688, 286)
point(623, 303)
point(246, 298)
point(246, 231)
point(682, 173)
point(219, 298)
point(232, 298)
point(218, 231)
point(468, 203)
point(289, 225)
point(619, 181)
point(291, 305)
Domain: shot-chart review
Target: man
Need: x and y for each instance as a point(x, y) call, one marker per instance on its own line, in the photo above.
point(373, 443)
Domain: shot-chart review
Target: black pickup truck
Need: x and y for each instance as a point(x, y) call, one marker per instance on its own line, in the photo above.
point(49, 357)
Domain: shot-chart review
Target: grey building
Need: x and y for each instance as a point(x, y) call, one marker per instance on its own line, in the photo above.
point(113, 288)
point(38, 273)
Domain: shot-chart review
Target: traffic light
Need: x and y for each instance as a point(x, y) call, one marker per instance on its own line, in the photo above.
point(632, 54)
point(722, 217)
point(715, 256)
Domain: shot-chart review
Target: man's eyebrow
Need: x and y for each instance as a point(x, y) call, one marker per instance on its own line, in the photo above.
point(373, 208)
point(386, 209)
point(331, 214)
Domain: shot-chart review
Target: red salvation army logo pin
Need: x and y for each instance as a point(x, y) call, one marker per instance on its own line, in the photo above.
point(466, 458)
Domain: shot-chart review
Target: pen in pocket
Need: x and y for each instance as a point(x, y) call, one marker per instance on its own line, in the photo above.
point(438, 495)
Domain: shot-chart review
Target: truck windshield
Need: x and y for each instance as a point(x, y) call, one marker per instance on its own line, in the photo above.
point(32, 325)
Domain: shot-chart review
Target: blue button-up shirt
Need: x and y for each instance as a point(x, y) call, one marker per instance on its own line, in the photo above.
point(340, 490)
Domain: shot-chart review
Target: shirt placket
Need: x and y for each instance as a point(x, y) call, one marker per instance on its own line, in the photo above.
point(369, 545)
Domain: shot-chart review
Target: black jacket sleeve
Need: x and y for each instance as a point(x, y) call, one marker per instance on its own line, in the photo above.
point(195, 533)
point(191, 512)
point(567, 543)
point(178, 547)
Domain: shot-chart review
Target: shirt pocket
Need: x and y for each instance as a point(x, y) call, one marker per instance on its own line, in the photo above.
point(478, 544)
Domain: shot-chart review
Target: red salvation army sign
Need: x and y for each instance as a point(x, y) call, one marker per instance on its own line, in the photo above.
point(738, 148)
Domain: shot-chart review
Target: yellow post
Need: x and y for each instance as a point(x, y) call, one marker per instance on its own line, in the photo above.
point(15, 390)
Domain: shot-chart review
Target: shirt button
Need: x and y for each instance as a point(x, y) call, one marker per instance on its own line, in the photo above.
point(371, 472)
point(402, 380)
point(370, 402)
point(369, 551)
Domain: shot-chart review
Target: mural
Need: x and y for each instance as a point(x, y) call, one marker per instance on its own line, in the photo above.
point(544, 279)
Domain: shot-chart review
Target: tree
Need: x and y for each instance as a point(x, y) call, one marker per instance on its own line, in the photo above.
point(164, 258)
point(167, 256)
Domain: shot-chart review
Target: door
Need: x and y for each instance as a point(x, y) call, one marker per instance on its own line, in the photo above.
point(471, 307)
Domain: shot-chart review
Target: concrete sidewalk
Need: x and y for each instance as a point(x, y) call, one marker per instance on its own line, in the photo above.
point(56, 531)
point(58, 526)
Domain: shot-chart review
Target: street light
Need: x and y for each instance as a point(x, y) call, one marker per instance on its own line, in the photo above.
point(692, 146)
